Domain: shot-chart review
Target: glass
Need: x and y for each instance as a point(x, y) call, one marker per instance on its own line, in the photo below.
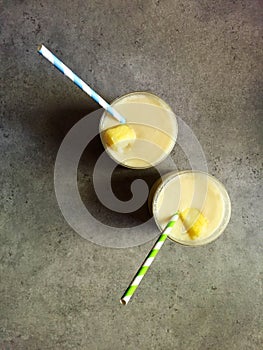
point(204, 192)
point(155, 125)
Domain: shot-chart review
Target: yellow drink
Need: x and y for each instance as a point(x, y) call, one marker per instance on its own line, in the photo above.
point(199, 191)
point(155, 127)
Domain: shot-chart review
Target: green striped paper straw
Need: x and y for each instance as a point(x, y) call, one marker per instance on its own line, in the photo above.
point(148, 261)
point(80, 83)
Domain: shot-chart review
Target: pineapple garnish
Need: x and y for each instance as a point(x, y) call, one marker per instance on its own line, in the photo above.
point(119, 137)
point(194, 222)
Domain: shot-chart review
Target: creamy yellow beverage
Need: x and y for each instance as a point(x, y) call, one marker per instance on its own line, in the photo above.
point(202, 202)
point(151, 135)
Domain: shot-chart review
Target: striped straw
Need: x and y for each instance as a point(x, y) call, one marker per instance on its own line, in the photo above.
point(148, 261)
point(79, 82)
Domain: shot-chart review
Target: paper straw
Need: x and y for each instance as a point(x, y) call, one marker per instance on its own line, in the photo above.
point(79, 82)
point(148, 261)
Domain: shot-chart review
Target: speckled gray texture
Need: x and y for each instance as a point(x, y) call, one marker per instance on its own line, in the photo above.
point(59, 291)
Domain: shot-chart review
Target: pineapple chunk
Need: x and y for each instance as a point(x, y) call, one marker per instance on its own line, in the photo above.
point(119, 137)
point(194, 222)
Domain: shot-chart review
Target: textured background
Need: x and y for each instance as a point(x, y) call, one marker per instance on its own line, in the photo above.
point(59, 291)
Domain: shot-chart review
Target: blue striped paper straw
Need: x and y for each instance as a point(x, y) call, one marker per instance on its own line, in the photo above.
point(79, 82)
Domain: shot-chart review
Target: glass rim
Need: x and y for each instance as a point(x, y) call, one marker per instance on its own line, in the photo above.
point(165, 155)
point(165, 179)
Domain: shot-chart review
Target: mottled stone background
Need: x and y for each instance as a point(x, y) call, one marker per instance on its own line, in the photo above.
point(59, 291)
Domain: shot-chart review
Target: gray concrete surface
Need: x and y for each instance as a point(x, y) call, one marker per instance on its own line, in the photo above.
point(59, 291)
